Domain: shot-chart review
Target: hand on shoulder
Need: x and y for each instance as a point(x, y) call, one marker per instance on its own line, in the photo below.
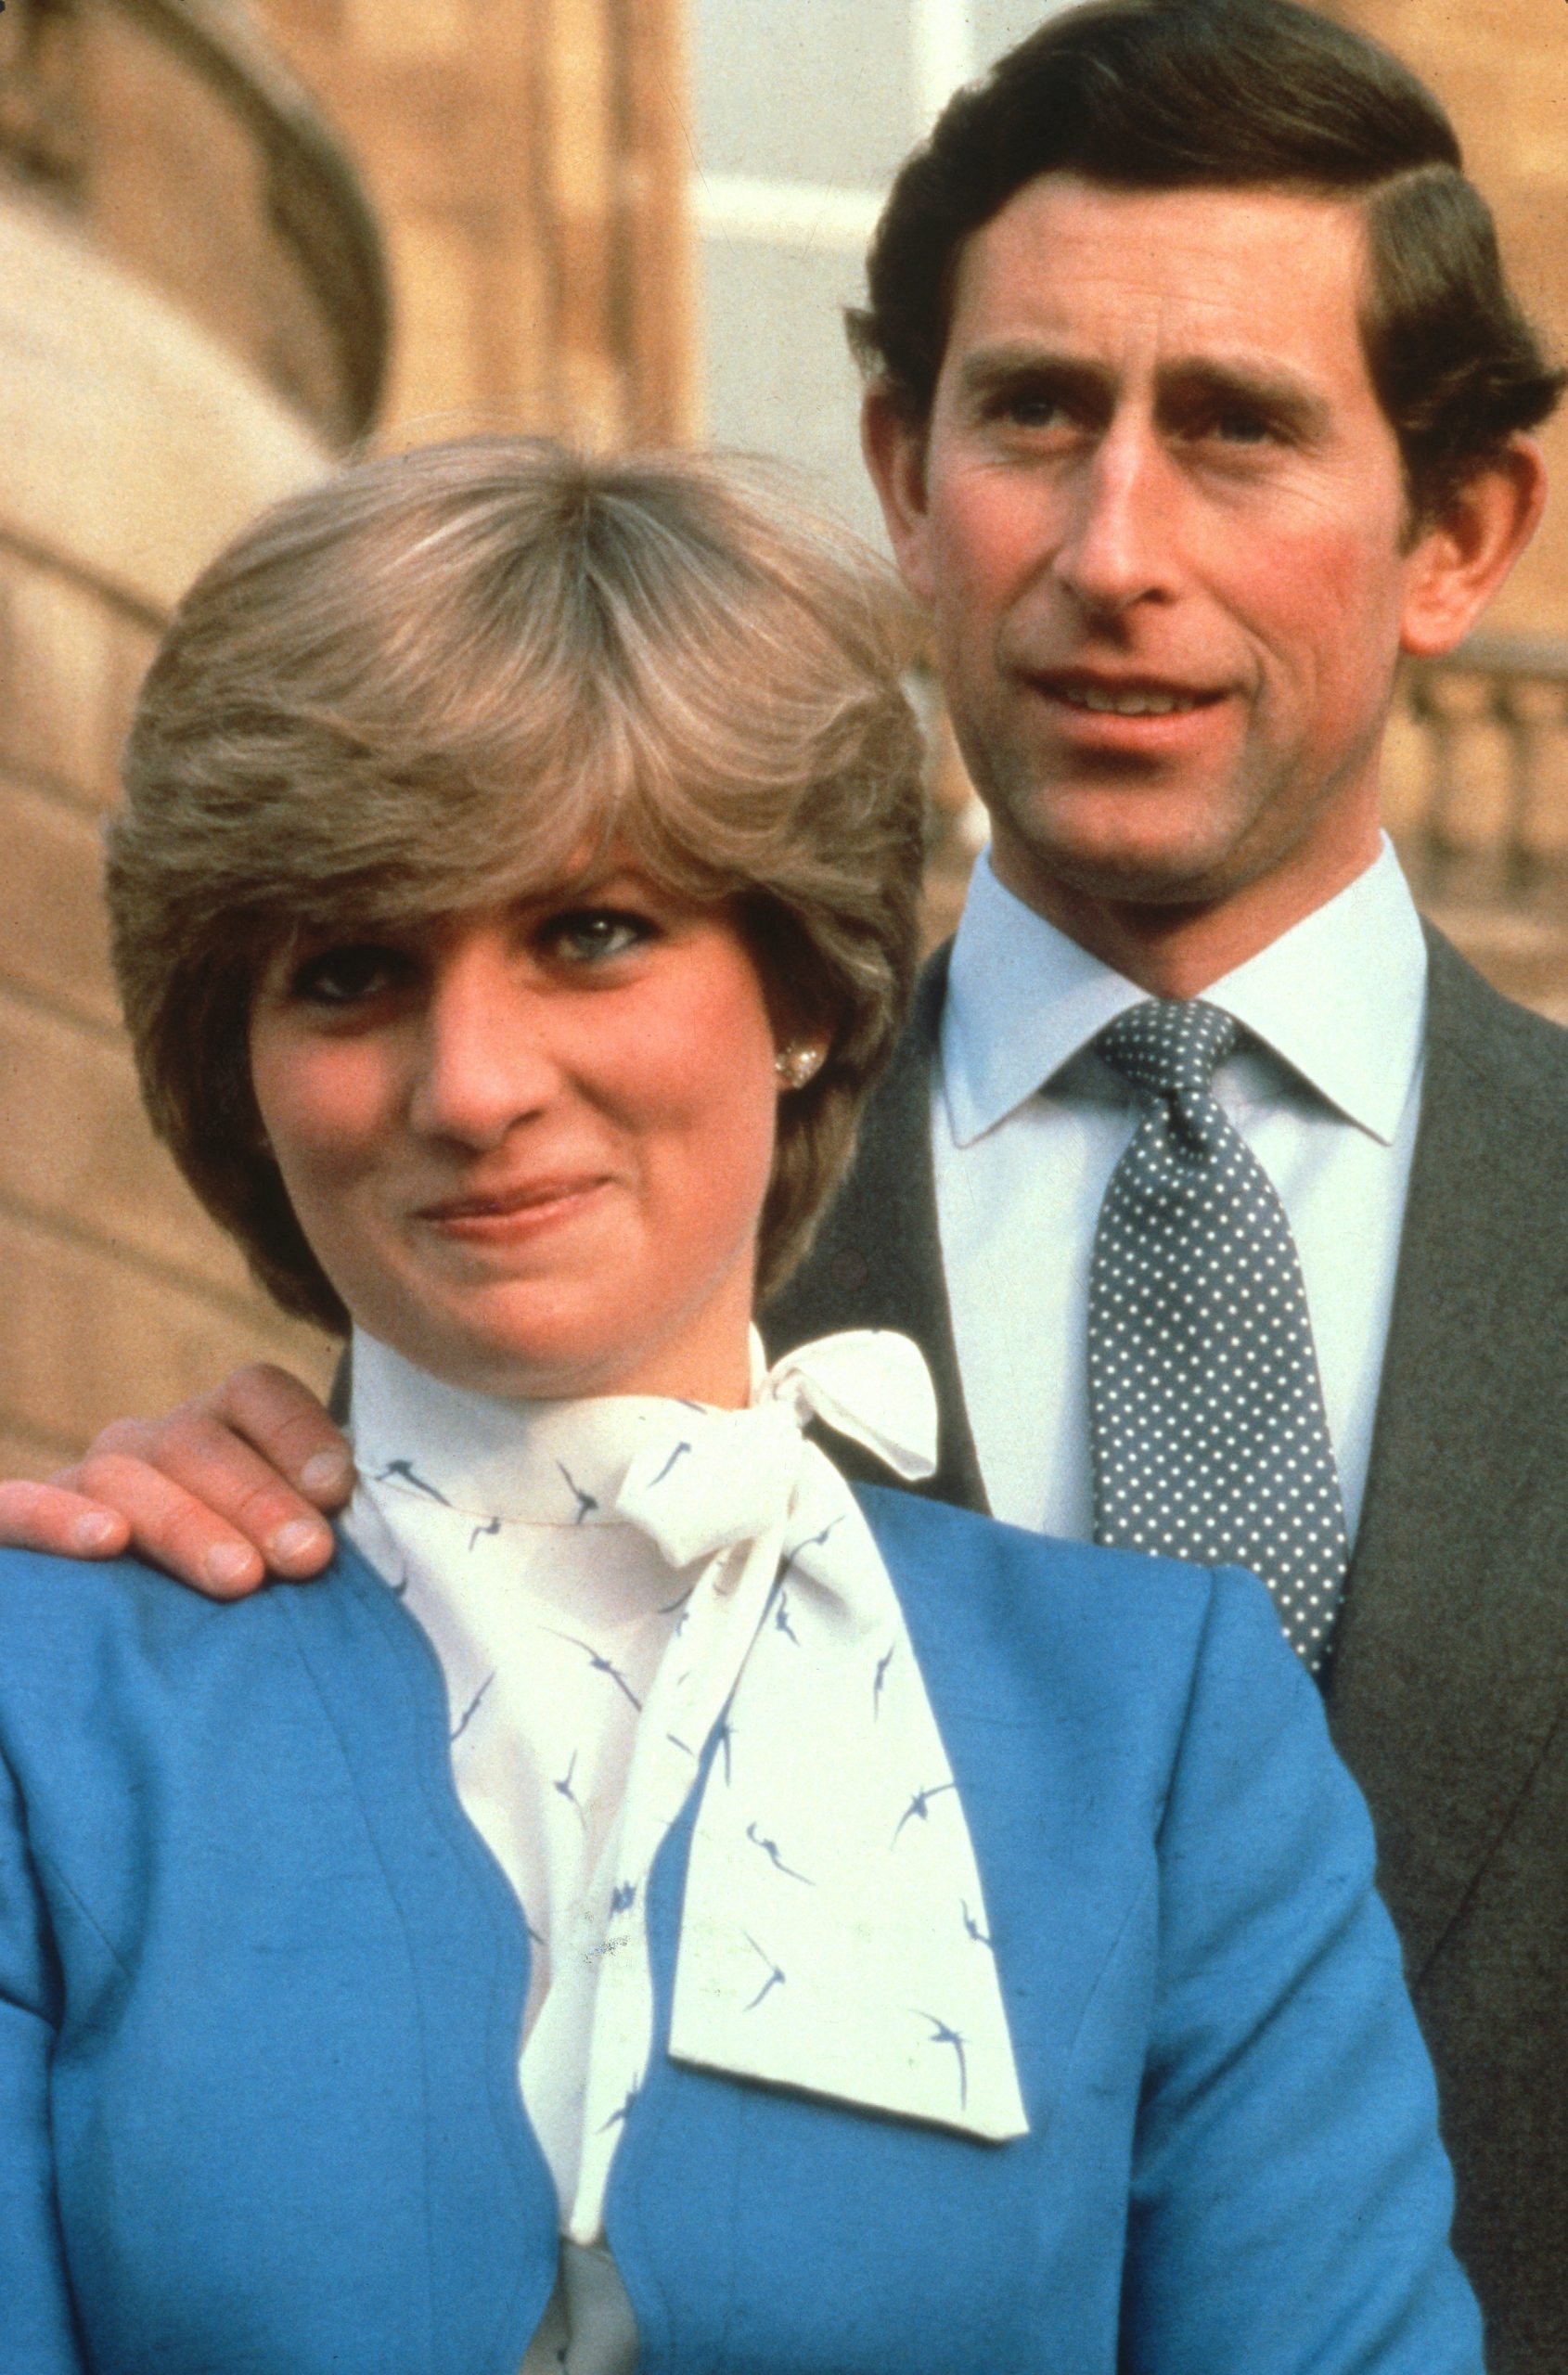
point(229, 1489)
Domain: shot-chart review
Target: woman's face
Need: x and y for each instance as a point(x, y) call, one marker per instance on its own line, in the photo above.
point(530, 1147)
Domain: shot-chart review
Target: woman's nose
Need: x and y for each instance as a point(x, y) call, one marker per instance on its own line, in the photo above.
point(483, 1061)
point(1119, 548)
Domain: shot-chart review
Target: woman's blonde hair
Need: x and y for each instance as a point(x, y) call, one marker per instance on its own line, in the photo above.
point(454, 676)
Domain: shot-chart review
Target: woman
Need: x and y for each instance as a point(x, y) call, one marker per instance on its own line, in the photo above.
point(777, 1928)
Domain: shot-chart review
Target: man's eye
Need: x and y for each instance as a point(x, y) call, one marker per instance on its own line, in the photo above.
point(1242, 429)
point(1030, 409)
point(348, 976)
point(590, 935)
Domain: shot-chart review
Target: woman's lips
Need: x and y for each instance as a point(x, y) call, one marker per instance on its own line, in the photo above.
point(522, 1210)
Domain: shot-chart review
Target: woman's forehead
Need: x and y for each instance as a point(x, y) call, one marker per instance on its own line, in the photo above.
point(617, 870)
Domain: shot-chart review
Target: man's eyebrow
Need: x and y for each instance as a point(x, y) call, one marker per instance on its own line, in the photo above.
point(1181, 381)
point(1293, 403)
point(990, 368)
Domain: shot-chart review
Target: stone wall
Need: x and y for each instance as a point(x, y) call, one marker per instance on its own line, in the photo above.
point(176, 351)
point(527, 163)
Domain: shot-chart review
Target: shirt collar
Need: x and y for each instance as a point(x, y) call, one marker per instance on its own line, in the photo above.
point(1340, 998)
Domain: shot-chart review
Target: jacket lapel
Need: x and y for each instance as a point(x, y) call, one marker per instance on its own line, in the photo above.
point(1452, 1663)
point(877, 1259)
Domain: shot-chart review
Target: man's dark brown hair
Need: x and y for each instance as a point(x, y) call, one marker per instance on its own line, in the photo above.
point(1154, 95)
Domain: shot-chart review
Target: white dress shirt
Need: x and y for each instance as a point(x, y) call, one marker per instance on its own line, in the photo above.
point(1028, 1124)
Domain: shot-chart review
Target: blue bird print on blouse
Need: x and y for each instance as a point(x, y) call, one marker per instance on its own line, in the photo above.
point(492, 1525)
point(622, 1896)
point(770, 1849)
point(775, 1976)
point(563, 1788)
point(600, 1663)
point(471, 1710)
point(879, 1679)
point(918, 1806)
point(973, 1926)
point(679, 1448)
point(941, 2034)
point(812, 1542)
point(586, 1501)
point(781, 1620)
point(617, 2118)
point(404, 1472)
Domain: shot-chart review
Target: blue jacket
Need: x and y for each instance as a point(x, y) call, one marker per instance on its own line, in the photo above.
point(259, 1990)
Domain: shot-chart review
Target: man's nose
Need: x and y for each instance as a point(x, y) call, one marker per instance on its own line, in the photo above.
point(483, 1059)
point(1120, 544)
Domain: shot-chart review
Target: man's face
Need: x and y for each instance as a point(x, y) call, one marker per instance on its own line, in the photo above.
point(1159, 517)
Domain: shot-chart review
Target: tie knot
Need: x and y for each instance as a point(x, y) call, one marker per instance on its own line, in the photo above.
point(1169, 1047)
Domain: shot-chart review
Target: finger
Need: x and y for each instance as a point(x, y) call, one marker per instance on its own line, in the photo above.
point(284, 1422)
point(172, 1529)
point(55, 1518)
point(241, 1498)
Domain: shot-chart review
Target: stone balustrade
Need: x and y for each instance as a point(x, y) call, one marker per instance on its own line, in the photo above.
point(1476, 797)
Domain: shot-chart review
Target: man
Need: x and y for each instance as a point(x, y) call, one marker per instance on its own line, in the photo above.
point(1226, 1208)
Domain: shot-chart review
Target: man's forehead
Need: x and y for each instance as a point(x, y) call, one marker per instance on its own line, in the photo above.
point(1248, 273)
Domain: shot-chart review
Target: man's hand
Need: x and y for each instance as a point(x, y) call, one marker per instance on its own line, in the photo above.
point(229, 1488)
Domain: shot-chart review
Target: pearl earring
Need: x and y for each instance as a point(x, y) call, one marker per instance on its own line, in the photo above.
point(796, 1065)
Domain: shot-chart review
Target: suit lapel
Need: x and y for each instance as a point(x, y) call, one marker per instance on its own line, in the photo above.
point(1452, 1663)
point(877, 1259)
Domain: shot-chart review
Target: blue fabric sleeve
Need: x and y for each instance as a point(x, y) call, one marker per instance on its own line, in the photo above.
point(1290, 2200)
point(35, 2310)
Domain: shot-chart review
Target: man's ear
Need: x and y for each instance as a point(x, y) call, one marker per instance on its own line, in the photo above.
point(895, 448)
point(1458, 561)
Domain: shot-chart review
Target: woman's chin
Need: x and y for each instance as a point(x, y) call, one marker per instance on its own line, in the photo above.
point(532, 1349)
point(536, 1365)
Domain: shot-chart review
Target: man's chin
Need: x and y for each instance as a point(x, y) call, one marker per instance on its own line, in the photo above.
point(1121, 870)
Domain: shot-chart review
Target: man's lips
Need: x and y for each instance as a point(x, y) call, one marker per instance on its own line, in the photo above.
point(1090, 694)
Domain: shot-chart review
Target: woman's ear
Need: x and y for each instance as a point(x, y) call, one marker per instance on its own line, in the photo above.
point(1460, 558)
point(895, 448)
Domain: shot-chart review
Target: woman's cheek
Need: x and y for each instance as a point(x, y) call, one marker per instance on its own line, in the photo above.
point(326, 1107)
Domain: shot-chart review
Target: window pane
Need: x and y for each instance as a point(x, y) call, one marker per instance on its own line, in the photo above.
point(802, 90)
point(996, 25)
point(779, 377)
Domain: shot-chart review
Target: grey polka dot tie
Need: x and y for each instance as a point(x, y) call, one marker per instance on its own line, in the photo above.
point(1206, 1410)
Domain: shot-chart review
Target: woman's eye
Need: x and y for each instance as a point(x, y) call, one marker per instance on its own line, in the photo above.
point(348, 976)
point(589, 935)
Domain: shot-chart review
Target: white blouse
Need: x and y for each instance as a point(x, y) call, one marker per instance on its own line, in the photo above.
point(622, 1591)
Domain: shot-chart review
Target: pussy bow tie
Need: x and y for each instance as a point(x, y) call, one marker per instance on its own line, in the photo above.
point(834, 1935)
point(730, 1476)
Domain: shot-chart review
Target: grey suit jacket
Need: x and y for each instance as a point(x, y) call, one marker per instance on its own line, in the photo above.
point(1449, 1693)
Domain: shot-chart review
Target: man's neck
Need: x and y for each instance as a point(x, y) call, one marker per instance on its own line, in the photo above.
point(1178, 951)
